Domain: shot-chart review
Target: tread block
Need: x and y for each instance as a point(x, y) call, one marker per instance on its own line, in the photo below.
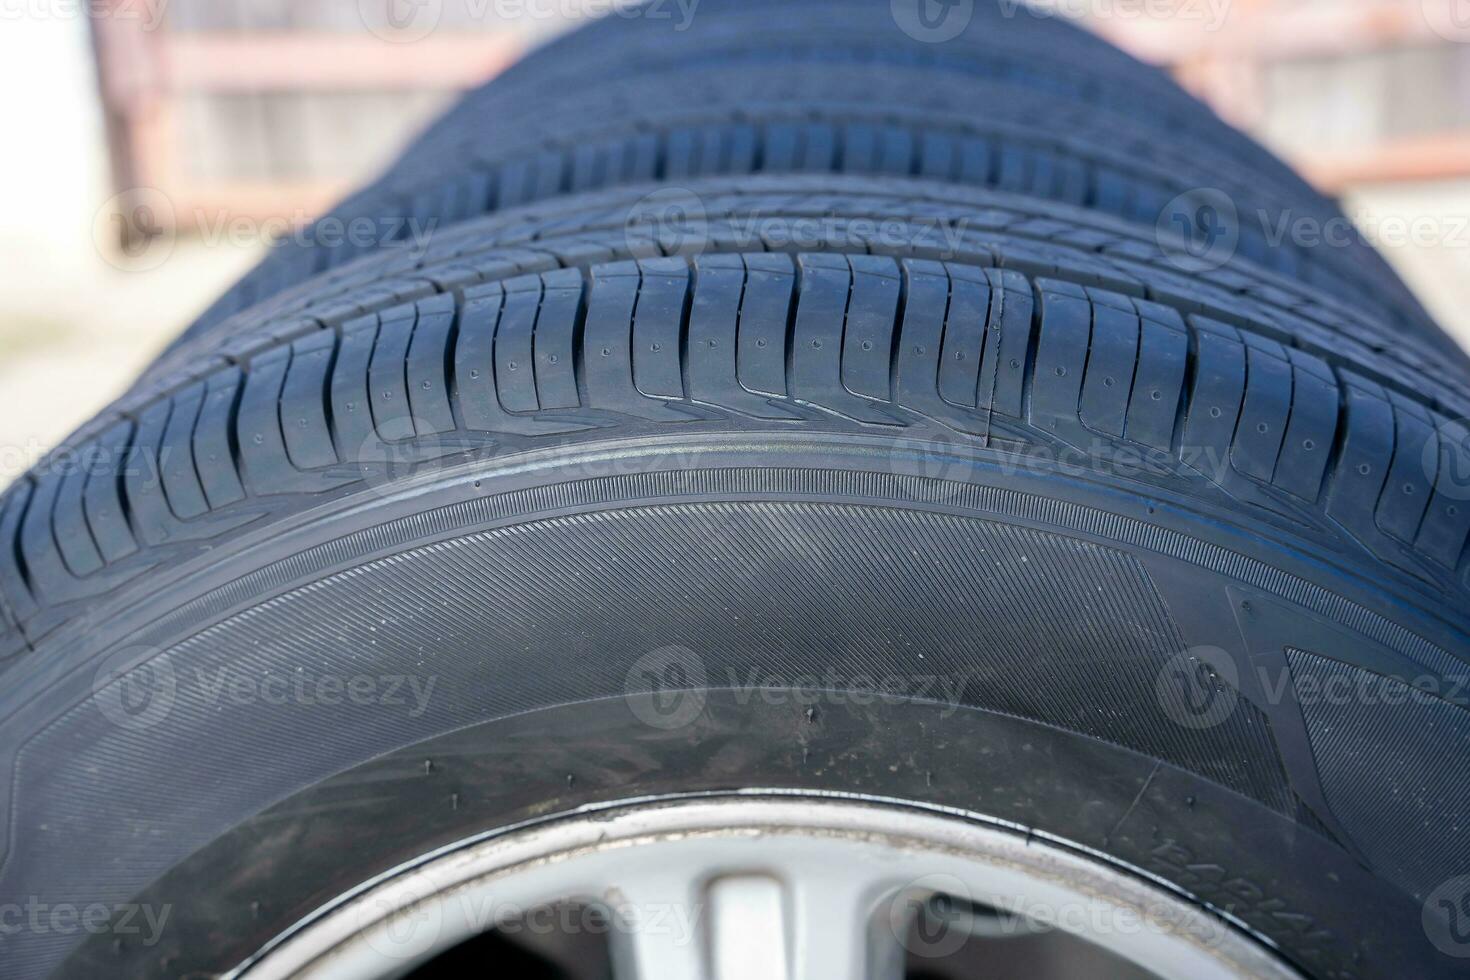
point(515, 369)
point(867, 342)
point(766, 309)
point(896, 151)
point(818, 147)
point(387, 377)
point(69, 518)
point(263, 461)
point(1411, 475)
point(589, 166)
point(975, 162)
point(176, 456)
point(102, 499)
point(1263, 414)
point(14, 588)
point(304, 423)
point(860, 151)
point(821, 309)
point(781, 146)
point(608, 341)
point(608, 356)
point(1110, 369)
point(965, 325)
point(714, 321)
point(681, 157)
point(1163, 359)
point(556, 340)
point(351, 398)
point(916, 371)
point(1010, 324)
point(658, 328)
point(426, 368)
point(474, 358)
point(152, 520)
point(1214, 399)
point(1447, 518)
point(938, 155)
point(823, 295)
point(1061, 354)
point(50, 577)
point(1307, 445)
point(742, 150)
point(640, 161)
point(1363, 461)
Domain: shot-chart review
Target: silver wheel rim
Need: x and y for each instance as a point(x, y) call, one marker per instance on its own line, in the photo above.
point(761, 888)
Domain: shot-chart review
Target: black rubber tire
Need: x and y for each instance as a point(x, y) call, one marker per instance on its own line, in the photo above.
point(1030, 460)
point(1008, 104)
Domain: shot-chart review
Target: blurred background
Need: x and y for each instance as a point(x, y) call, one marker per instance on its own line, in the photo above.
point(242, 118)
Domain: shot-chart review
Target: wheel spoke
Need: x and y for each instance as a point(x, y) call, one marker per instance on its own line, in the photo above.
point(747, 924)
point(661, 930)
point(841, 926)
